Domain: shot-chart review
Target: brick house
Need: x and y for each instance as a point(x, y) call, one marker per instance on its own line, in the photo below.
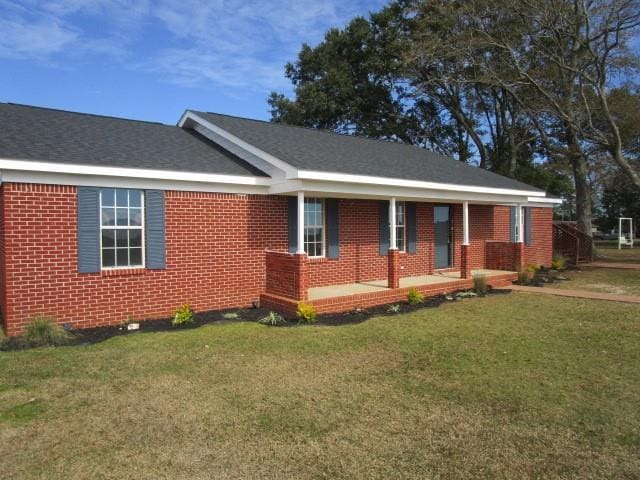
point(104, 219)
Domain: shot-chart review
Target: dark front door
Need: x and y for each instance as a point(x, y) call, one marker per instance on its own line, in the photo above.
point(442, 228)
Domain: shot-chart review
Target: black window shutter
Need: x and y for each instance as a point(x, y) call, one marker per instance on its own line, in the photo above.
point(513, 224)
point(411, 227)
point(88, 229)
point(384, 228)
point(292, 223)
point(333, 227)
point(155, 229)
point(527, 226)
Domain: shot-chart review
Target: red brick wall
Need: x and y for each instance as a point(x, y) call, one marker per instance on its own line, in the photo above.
point(216, 247)
point(215, 258)
point(287, 274)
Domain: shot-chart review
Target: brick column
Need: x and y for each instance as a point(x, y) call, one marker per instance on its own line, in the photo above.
point(518, 256)
point(393, 275)
point(301, 276)
point(465, 262)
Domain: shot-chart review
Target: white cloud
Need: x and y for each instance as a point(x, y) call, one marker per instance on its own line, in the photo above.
point(230, 43)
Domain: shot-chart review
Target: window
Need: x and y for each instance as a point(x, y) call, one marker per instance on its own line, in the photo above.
point(314, 227)
point(121, 228)
point(401, 226)
point(516, 227)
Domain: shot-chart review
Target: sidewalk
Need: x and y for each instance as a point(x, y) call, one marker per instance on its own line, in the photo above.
point(574, 293)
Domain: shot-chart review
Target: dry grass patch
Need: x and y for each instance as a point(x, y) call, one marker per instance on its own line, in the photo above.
point(607, 251)
point(502, 387)
point(603, 280)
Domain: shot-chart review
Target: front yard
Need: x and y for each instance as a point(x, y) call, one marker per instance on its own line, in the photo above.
point(603, 280)
point(607, 251)
point(507, 386)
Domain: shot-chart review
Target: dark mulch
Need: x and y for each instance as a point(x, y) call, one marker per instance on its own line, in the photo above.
point(546, 276)
point(94, 335)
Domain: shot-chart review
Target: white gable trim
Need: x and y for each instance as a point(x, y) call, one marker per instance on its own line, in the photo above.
point(188, 116)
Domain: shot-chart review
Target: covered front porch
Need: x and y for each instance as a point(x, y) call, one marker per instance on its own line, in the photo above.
point(435, 280)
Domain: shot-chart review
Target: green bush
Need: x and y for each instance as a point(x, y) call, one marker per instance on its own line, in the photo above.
point(44, 331)
point(558, 262)
point(183, 316)
point(532, 269)
point(480, 285)
point(414, 297)
point(274, 318)
point(306, 312)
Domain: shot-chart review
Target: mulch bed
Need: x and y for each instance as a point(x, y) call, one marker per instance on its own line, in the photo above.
point(89, 336)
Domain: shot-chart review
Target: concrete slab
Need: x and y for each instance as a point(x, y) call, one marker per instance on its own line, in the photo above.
point(333, 291)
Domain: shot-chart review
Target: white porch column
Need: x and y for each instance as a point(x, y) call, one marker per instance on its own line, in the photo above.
point(465, 223)
point(393, 244)
point(300, 231)
point(519, 212)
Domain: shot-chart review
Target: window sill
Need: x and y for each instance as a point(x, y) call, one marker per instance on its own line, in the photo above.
point(119, 272)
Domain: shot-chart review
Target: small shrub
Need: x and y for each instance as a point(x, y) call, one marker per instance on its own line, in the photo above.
point(274, 318)
point(306, 312)
point(480, 286)
point(414, 297)
point(532, 269)
point(523, 277)
point(44, 331)
point(183, 316)
point(559, 262)
point(395, 308)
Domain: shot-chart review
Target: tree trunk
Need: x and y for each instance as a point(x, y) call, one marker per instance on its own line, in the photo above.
point(583, 192)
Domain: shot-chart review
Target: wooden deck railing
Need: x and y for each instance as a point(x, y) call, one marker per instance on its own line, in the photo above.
point(571, 242)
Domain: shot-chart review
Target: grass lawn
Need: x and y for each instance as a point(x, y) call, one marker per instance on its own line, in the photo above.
point(605, 280)
point(607, 251)
point(510, 386)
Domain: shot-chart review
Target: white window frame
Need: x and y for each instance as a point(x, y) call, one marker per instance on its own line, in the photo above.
point(124, 227)
point(401, 239)
point(321, 225)
point(518, 237)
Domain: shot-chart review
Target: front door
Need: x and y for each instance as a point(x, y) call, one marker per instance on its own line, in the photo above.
point(442, 229)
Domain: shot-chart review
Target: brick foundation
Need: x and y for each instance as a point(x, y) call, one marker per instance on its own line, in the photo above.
point(393, 274)
point(465, 265)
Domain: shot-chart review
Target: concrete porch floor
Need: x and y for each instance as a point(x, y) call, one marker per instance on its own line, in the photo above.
point(344, 290)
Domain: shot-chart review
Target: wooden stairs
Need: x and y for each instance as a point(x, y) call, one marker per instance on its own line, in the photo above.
point(572, 243)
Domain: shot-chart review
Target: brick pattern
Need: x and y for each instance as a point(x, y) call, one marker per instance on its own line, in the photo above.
point(216, 254)
point(383, 297)
point(287, 274)
point(393, 275)
point(500, 255)
point(215, 258)
point(465, 264)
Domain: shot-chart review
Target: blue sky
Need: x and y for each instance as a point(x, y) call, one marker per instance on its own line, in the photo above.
point(152, 59)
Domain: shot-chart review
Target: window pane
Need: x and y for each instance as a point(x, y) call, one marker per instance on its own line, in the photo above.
point(107, 197)
point(121, 198)
point(135, 238)
point(122, 257)
point(122, 217)
point(135, 198)
point(108, 238)
point(121, 238)
point(108, 257)
point(136, 256)
point(108, 216)
point(135, 217)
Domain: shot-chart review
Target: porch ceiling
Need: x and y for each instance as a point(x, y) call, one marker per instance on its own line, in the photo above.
point(347, 289)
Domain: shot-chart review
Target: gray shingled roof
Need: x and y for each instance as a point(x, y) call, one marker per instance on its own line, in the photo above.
point(317, 150)
point(42, 134)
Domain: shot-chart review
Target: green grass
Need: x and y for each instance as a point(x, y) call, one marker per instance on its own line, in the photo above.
point(604, 280)
point(607, 251)
point(518, 386)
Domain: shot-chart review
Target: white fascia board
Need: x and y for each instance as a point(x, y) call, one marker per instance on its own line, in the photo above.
point(12, 165)
point(189, 116)
point(396, 182)
point(128, 182)
point(366, 191)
